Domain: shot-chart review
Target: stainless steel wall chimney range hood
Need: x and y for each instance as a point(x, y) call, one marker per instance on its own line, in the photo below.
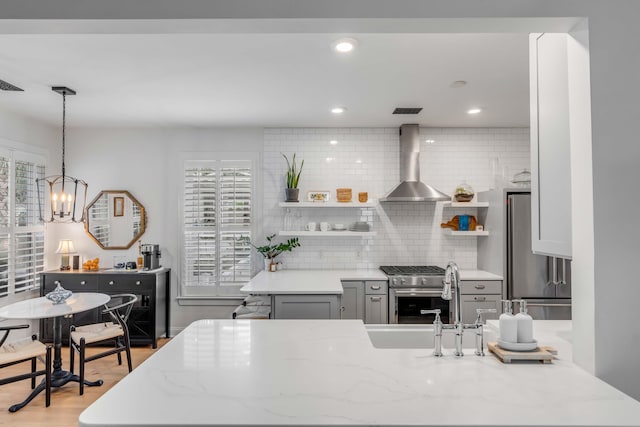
point(411, 189)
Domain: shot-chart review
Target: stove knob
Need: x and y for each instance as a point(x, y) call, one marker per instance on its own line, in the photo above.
point(403, 281)
point(424, 281)
point(394, 281)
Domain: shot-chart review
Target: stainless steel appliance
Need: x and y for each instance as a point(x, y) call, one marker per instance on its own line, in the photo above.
point(544, 282)
point(151, 256)
point(416, 288)
point(411, 189)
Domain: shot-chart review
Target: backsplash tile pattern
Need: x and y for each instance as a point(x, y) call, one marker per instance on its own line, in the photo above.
point(366, 159)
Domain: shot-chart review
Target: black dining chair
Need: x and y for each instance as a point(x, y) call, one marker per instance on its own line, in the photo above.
point(25, 350)
point(118, 309)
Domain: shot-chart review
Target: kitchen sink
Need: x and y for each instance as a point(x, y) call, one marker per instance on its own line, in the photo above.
point(420, 336)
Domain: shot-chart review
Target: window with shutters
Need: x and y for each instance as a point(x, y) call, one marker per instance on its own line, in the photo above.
point(21, 232)
point(217, 219)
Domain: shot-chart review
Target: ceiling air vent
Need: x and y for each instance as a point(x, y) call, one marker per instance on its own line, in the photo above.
point(8, 86)
point(407, 110)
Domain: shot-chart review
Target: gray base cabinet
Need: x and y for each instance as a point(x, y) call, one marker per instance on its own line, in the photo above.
point(353, 299)
point(376, 305)
point(365, 300)
point(149, 318)
point(376, 308)
point(305, 306)
point(480, 294)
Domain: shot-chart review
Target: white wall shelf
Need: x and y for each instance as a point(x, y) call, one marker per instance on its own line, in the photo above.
point(345, 233)
point(451, 232)
point(368, 204)
point(466, 204)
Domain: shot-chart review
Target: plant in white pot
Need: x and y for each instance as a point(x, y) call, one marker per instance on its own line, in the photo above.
point(272, 249)
point(293, 177)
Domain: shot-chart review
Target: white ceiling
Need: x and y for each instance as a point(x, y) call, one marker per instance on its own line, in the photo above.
point(267, 79)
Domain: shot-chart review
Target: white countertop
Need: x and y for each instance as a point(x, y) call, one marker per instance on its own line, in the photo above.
point(326, 372)
point(327, 281)
point(307, 281)
point(478, 275)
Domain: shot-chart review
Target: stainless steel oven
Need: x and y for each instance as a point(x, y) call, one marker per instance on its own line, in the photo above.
point(413, 289)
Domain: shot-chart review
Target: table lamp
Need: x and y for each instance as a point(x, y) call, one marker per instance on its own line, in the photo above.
point(65, 248)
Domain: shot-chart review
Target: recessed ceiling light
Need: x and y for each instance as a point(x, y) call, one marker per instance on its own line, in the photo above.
point(338, 110)
point(358, 161)
point(474, 111)
point(345, 45)
point(333, 142)
point(430, 141)
point(330, 159)
point(458, 83)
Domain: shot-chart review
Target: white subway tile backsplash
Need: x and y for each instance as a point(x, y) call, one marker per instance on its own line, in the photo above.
point(366, 159)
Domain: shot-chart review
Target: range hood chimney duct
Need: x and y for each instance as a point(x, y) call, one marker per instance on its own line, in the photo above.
point(411, 189)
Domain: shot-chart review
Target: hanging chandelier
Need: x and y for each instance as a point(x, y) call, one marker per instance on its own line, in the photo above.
point(67, 195)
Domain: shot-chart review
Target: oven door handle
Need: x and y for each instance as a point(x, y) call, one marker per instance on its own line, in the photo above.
point(417, 292)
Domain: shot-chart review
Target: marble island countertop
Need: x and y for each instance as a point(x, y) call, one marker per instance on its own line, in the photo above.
point(327, 372)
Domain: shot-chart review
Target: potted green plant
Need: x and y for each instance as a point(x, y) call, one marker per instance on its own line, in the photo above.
point(272, 249)
point(293, 177)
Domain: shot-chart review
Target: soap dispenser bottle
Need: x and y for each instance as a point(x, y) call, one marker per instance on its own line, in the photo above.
point(525, 324)
point(508, 323)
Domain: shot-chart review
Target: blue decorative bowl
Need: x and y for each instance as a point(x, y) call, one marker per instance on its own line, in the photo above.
point(58, 295)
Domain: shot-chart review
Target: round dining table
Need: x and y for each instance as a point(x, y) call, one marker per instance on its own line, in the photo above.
point(42, 308)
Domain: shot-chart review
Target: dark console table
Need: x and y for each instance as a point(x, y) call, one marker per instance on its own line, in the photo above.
point(149, 317)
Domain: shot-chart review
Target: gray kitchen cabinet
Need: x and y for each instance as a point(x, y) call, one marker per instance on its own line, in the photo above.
point(365, 300)
point(480, 294)
point(149, 318)
point(353, 299)
point(376, 304)
point(550, 145)
point(306, 306)
point(376, 309)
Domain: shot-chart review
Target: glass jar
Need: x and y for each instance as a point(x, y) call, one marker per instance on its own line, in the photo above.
point(522, 179)
point(464, 192)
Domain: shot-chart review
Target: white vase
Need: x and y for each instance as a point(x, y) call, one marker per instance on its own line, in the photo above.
point(267, 261)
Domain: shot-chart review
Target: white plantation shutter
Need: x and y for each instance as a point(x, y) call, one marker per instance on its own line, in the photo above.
point(4, 264)
point(4, 191)
point(136, 215)
point(29, 249)
point(217, 208)
point(26, 197)
point(21, 232)
point(99, 220)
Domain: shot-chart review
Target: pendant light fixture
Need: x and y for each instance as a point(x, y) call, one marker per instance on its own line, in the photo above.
point(67, 195)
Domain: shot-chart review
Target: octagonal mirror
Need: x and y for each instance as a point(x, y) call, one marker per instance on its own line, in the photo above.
point(115, 219)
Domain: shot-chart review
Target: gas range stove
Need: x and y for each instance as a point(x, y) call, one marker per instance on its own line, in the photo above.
point(414, 276)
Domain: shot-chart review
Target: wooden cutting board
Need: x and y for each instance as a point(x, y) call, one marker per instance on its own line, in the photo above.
point(543, 354)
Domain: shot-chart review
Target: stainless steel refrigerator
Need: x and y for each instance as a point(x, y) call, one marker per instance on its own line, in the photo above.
point(543, 281)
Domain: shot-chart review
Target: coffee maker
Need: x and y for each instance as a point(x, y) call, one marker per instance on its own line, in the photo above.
point(151, 256)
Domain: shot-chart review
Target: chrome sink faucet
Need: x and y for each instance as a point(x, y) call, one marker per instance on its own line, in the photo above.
point(479, 327)
point(451, 289)
point(437, 331)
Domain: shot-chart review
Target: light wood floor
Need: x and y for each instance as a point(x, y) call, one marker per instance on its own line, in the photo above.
point(66, 403)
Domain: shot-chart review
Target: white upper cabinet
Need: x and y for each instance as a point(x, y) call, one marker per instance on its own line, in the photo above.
point(550, 145)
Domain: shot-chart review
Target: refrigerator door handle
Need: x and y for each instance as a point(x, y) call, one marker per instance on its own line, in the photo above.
point(564, 272)
point(552, 272)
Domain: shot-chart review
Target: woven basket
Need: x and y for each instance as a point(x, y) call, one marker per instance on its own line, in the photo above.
point(343, 194)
